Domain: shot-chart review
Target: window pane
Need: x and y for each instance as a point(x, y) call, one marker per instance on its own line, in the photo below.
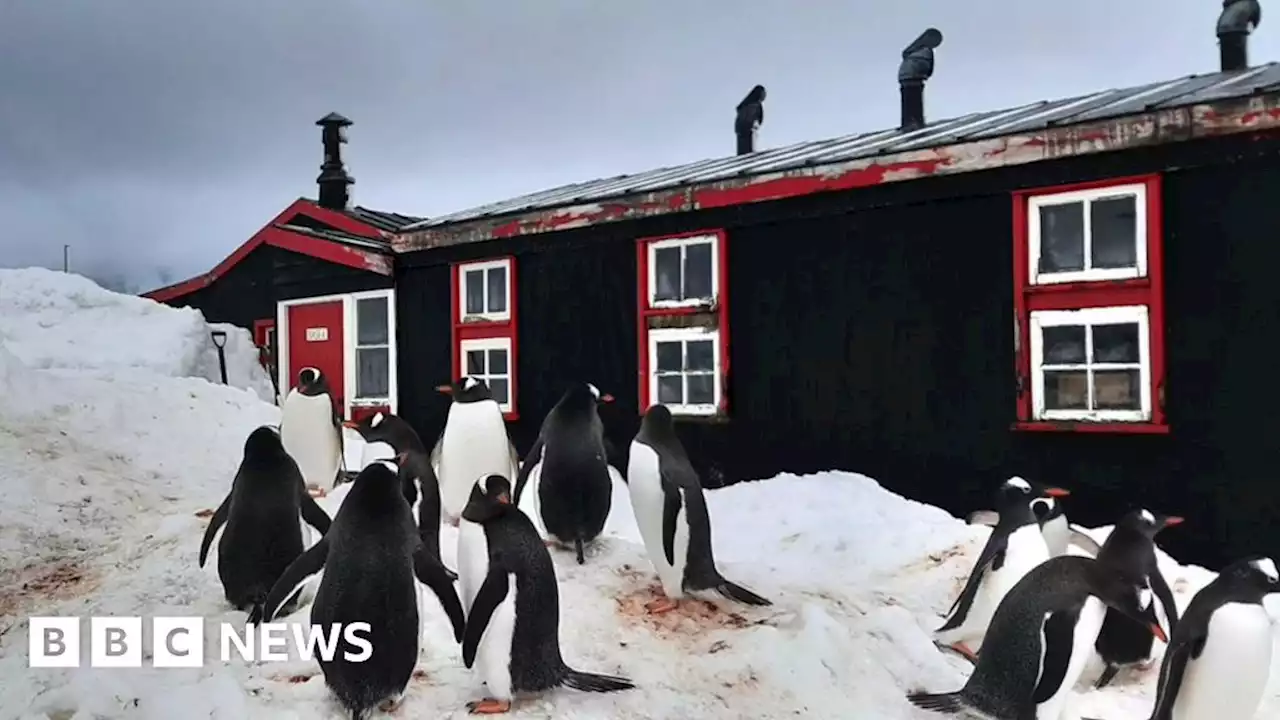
point(699, 355)
point(669, 357)
point(475, 362)
point(1066, 390)
point(666, 273)
point(473, 280)
point(1117, 389)
point(702, 389)
point(498, 362)
point(1064, 345)
point(671, 390)
point(1114, 232)
point(501, 389)
point(497, 289)
point(1116, 343)
point(373, 379)
point(1062, 238)
point(371, 321)
point(697, 271)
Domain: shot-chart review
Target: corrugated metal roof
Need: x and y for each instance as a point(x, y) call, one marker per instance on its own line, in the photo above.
point(386, 221)
point(339, 237)
point(1103, 105)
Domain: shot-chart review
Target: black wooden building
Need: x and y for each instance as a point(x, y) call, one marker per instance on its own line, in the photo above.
point(1079, 291)
point(327, 266)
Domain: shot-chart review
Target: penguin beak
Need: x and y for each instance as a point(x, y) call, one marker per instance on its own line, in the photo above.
point(606, 398)
point(350, 424)
point(446, 389)
point(1054, 492)
point(504, 498)
point(1159, 632)
point(1173, 520)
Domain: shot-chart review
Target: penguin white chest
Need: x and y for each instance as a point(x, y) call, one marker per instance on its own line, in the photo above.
point(474, 445)
point(1057, 534)
point(308, 435)
point(493, 654)
point(1229, 678)
point(1024, 550)
point(1083, 636)
point(644, 483)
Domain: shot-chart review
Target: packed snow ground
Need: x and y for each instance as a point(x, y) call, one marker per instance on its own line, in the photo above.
point(112, 442)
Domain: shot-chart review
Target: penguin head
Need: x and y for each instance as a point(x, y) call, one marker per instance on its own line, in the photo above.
point(381, 427)
point(1148, 523)
point(1127, 595)
point(263, 444)
point(584, 395)
point(490, 498)
point(599, 397)
point(466, 389)
point(311, 381)
point(1251, 579)
point(1020, 498)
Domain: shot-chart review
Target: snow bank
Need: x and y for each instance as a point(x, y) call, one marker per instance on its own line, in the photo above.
point(55, 320)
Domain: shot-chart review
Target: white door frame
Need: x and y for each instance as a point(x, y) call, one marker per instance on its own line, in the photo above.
point(348, 345)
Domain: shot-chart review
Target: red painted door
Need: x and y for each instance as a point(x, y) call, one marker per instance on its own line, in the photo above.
point(315, 340)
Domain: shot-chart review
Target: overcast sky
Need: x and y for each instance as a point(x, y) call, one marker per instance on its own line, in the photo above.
point(155, 136)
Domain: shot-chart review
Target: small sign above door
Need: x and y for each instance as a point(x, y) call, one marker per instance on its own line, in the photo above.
point(317, 334)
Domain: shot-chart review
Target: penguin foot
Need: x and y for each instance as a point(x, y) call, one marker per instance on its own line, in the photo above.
point(391, 704)
point(489, 707)
point(660, 606)
point(960, 649)
point(316, 492)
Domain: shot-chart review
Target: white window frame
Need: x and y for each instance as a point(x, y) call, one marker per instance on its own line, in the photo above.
point(348, 350)
point(1041, 319)
point(1036, 202)
point(661, 335)
point(356, 347)
point(484, 266)
point(683, 242)
point(487, 344)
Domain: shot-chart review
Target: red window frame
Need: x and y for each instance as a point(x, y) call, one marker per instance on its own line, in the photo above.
point(645, 312)
point(1147, 291)
point(504, 329)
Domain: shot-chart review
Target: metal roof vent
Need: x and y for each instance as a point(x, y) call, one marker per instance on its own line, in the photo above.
point(334, 181)
point(1238, 19)
point(916, 67)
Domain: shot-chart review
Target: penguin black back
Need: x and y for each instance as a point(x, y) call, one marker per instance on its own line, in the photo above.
point(1004, 682)
point(575, 489)
point(1130, 550)
point(262, 533)
point(390, 429)
point(370, 558)
point(516, 551)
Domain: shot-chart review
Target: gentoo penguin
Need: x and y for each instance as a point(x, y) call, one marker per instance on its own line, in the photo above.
point(474, 444)
point(369, 559)
point(671, 512)
point(1024, 660)
point(513, 605)
point(263, 534)
point(1014, 547)
point(574, 489)
point(417, 478)
point(1131, 548)
point(1219, 659)
point(311, 430)
point(1058, 532)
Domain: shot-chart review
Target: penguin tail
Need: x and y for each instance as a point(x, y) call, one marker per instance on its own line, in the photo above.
point(734, 591)
point(947, 703)
point(577, 546)
point(588, 682)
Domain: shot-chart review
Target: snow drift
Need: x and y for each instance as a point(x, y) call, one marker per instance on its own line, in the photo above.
point(108, 453)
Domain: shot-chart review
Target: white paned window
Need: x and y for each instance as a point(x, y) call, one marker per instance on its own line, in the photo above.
point(684, 370)
point(683, 272)
point(484, 291)
point(1092, 364)
point(490, 360)
point(373, 348)
point(1088, 235)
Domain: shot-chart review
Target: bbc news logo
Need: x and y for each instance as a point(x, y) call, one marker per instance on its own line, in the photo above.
point(178, 642)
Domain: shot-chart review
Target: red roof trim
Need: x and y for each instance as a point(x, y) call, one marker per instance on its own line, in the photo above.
point(318, 248)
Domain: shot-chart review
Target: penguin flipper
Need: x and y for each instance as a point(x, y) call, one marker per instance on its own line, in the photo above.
point(219, 517)
point(1058, 633)
point(1161, 588)
point(312, 513)
point(432, 573)
point(992, 557)
point(492, 592)
point(302, 569)
point(1083, 540)
point(1172, 668)
point(671, 502)
point(530, 462)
